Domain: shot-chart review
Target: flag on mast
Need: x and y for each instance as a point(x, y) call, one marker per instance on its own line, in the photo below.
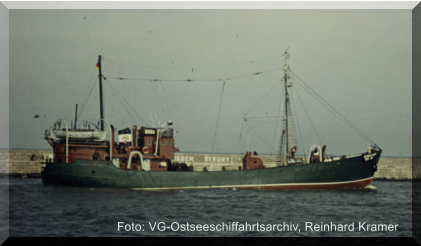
point(97, 66)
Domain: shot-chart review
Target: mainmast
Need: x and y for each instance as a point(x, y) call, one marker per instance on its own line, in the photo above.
point(101, 107)
point(287, 106)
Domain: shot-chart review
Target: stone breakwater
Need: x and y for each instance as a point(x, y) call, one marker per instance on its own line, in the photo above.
point(27, 163)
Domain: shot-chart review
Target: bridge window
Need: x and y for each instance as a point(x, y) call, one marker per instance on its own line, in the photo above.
point(169, 142)
point(149, 142)
point(162, 142)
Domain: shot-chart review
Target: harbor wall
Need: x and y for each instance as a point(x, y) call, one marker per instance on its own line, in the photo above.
point(27, 163)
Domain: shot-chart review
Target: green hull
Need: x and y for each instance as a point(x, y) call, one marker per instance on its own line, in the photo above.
point(344, 173)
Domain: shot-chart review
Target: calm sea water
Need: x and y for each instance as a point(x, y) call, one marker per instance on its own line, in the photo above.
point(38, 210)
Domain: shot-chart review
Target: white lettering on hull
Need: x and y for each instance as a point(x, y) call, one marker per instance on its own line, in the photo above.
point(48, 156)
point(219, 159)
point(369, 157)
point(149, 131)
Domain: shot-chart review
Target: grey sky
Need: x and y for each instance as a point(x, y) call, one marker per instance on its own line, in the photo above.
point(4, 75)
point(357, 60)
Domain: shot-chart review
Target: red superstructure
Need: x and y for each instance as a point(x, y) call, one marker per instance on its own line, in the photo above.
point(154, 145)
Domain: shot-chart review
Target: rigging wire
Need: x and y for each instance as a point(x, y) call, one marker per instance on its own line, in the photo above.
point(239, 139)
point(194, 80)
point(262, 120)
point(324, 103)
point(128, 104)
point(302, 104)
point(332, 111)
point(230, 64)
point(159, 100)
point(258, 135)
point(166, 100)
point(114, 90)
point(277, 120)
point(330, 130)
point(89, 85)
point(242, 146)
point(298, 124)
point(217, 121)
point(335, 112)
point(263, 97)
point(86, 100)
point(247, 148)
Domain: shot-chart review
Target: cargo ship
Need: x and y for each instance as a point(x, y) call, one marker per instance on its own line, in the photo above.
point(144, 159)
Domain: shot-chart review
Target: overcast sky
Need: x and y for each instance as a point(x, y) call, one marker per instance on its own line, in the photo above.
point(359, 61)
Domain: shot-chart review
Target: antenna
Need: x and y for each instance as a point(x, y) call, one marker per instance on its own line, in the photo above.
point(153, 120)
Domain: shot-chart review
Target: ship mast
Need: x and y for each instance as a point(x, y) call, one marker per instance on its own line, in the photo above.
point(287, 106)
point(101, 107)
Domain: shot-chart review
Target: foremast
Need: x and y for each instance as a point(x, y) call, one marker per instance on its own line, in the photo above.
point(101, 107)
point(287, 106)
